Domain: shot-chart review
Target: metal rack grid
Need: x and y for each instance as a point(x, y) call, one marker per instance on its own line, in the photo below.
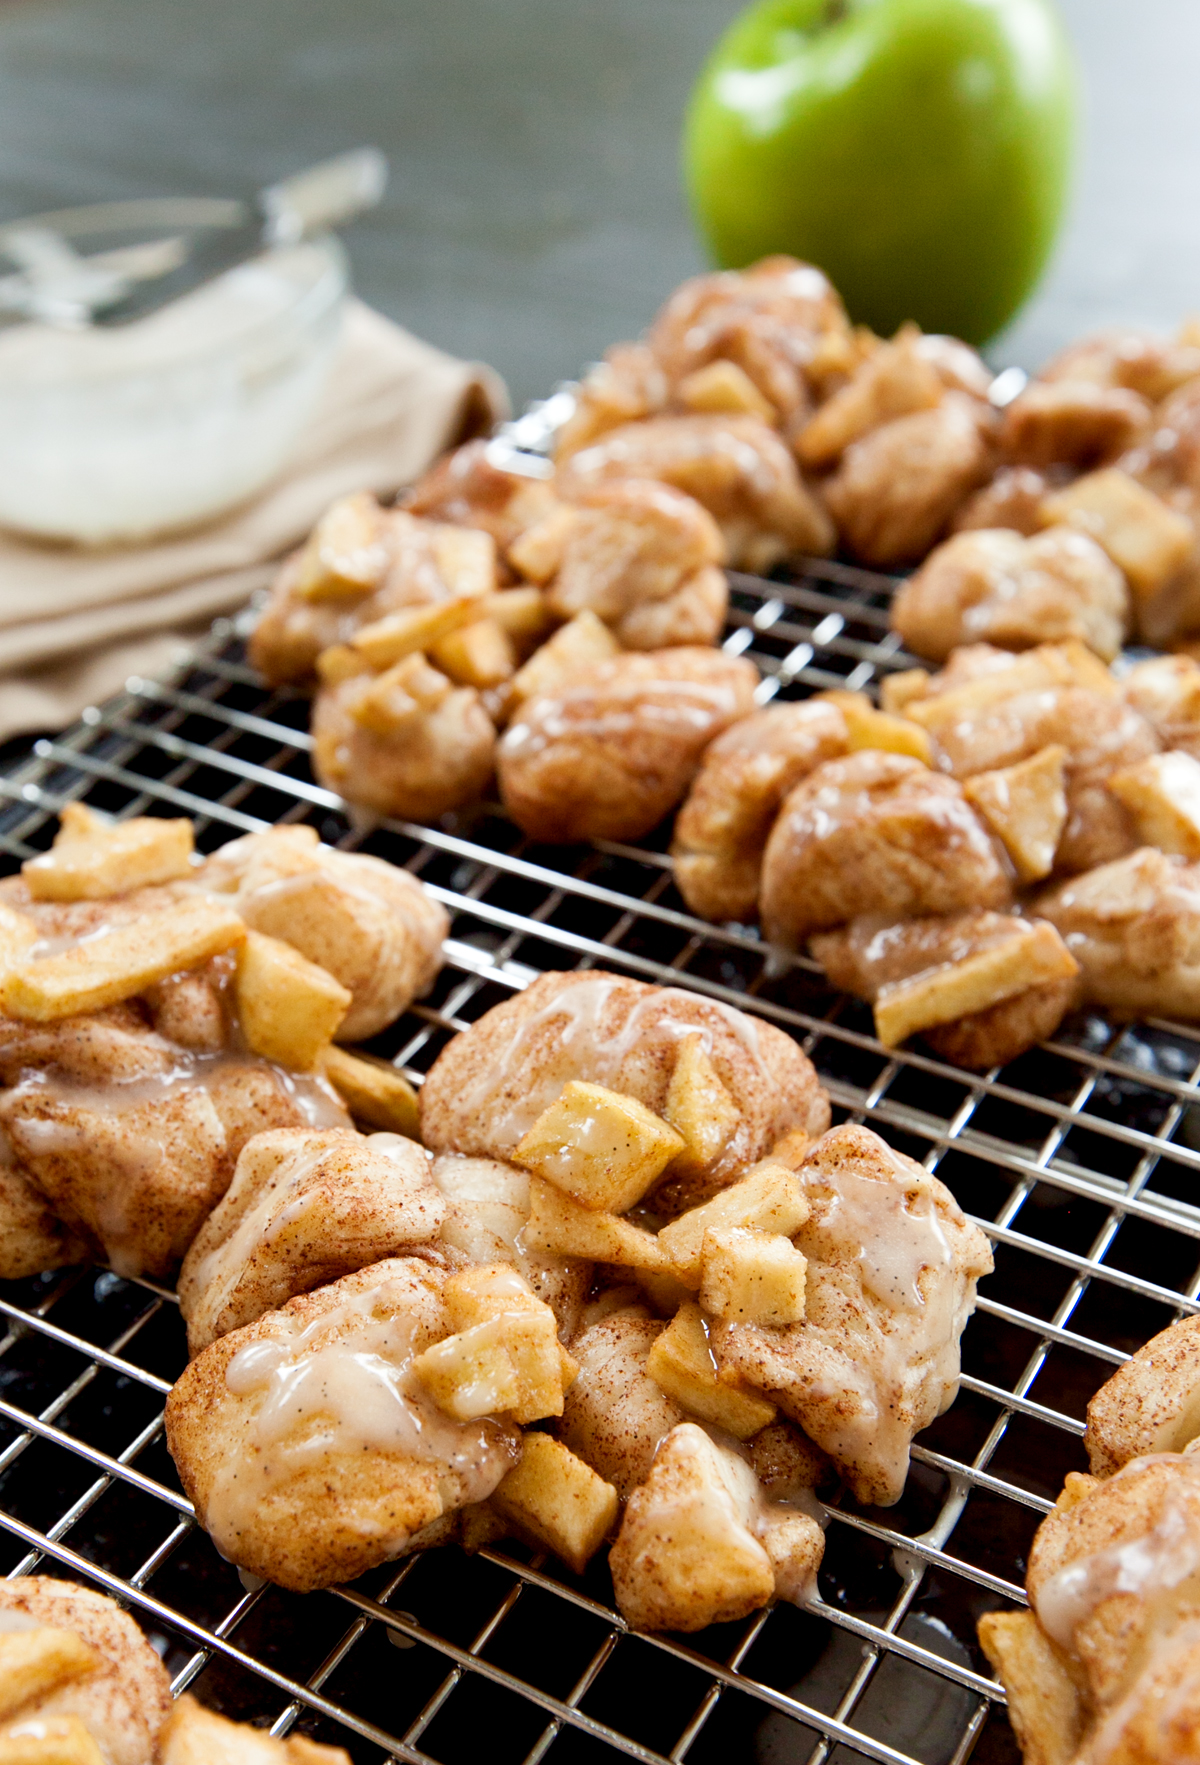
point(1079, 1161)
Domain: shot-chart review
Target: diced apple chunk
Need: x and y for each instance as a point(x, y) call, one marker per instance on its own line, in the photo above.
point(48, 1740)
point(563, 1226)
point(404, 691)
point(698, 1106)
point(373, 1091)
point(345, 556)
point(466, 559)
point(767, 1197)
point(896, 691)
point(18, 934)
point(496, 1297)
point(558, 1501)
point(472, 1373)
point(1050, 665)
point(883, 730)
point(289, 1008)
point(522, 612)
point(1034, 955)
point(403, 633)
point(681, 1364)
point(538, 552)
point(574, 648)
point(752, 1277)
point(600, 1147)
point(34, 1663)
point(1026, 808)
point(1162, 793)
point(723, 386)
point(121, 963)
point(1147, 540)
point(103, 859)
point(480, 654)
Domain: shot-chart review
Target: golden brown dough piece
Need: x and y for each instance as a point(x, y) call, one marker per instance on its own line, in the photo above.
point(491, 1083)
point(701, 1544)
point(369, 924)
point(1072, 422)
point(875, 833)
point(991, 709)
point(897, 488)
point(464, 489)
point(640, 555)
point(627, 386)
point(303, 1209)
point(911, 373)
point(125, 1701)
point(487, 1210)
point(607, 754)
point(360, 563)
point(32, 1237)
point(264, 1422)
point(1125, 356)
point(780, 323)
point(993, 586)
point(614, 1415)
point(892, 1267)
point(737, 467)
point(721, 830)
point(416, 748)
point(1149, 1405)
point(1013, 498)
point(873, 954)
point(1134, 928)
point(196, 1736)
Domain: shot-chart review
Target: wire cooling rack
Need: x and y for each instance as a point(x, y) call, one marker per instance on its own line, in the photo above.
point(1080, 1161)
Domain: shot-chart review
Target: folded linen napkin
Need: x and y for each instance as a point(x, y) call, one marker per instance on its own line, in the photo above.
point(74, 623)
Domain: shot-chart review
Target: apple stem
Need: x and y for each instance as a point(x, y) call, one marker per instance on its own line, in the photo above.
point(835, 11)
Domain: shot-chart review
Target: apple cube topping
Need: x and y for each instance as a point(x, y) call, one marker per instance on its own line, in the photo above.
point(890, 733)
point(681, 1364)
point(769, 1197)
point(121, 963)
point(373, 1091)
point(480, 654)
point(412, 629)
point(722, 386)
point(346, 554)
point(752, 1277)
point(504, 1356)
point(49, 1740)
point(1162, 794)
point(34, 1663)
point(406, 690)
point(598, 1146)
point(557, 1500)
point(1026, 808)
point(567, 1228)
point(1033, 956)
point(699, 1107)
point(288, 1007)
point(92, 859)
point(1147, 540)
point(575, 647)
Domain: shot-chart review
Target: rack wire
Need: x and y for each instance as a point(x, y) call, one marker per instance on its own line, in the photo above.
point(1079, 1161)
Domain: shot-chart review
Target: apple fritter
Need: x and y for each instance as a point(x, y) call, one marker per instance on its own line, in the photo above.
point(606, 754)
point(304, 1209)
point(369, 924)
point(993, 586)
point(701, 1543)
point(897, 489)
point(641, 555)
point(322, 1393)
point(721, 830)
point(735, 466)
point(892, 1267)
point(1134, 928)
point(875, 833)
point(491, 1083)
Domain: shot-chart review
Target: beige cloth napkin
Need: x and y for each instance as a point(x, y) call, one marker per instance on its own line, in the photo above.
point(75, 623)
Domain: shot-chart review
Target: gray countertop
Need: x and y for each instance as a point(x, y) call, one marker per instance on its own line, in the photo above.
point(534, 214)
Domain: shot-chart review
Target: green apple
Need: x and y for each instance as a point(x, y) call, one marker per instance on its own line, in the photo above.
point(918, 151)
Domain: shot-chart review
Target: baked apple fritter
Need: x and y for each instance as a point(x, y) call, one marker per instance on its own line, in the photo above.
point(875, 833)
point(721, 830)
point(489, 1085)
point(607, 753)
point(892, 1267)
point(993, 586)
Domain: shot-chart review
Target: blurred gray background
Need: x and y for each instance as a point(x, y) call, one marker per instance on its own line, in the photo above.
point(534, 214)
